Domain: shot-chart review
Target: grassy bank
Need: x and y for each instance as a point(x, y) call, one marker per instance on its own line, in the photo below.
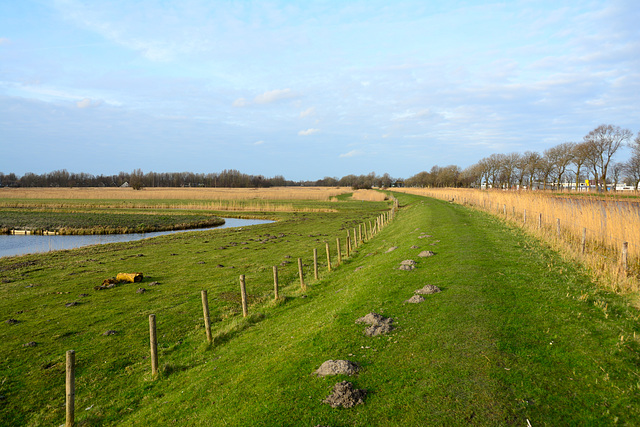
point(64, 221)
point(516, 333)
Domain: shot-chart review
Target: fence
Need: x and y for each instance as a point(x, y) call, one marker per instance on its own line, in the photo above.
point(604, 234)
point(351, 241)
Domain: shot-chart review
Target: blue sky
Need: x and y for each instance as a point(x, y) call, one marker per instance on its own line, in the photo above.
point(307, 89)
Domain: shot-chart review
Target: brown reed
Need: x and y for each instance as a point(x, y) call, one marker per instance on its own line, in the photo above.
point(608, 224)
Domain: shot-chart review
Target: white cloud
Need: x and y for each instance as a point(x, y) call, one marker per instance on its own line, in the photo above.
point(240, 102)
point(84, 103)
point(308, 112)
point(4, 40)
point(258, 143)
point(351, 153)
point(309, 131)
point(273, 96)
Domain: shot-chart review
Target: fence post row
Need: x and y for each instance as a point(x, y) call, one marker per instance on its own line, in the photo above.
point(339, 253)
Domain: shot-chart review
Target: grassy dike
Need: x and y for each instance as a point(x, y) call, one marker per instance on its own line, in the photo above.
point(516, 333)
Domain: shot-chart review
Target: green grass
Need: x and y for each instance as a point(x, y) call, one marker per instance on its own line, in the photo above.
point(96, 222)
point(516, 333)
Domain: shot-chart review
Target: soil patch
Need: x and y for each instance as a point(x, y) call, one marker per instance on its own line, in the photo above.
point(428, 290)
point(425, 254)
point(378, 324)
point(415, 299)
point(345, 395)
point(391, 249)
point(337, 367)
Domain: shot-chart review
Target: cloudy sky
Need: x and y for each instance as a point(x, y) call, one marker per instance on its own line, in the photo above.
point(307, 89)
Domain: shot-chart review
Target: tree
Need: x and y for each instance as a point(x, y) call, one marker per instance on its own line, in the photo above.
point(135, 180)
point(617, 170)
point(632, 166)
point(605, 141)
point(579, 158)
point(561, 157)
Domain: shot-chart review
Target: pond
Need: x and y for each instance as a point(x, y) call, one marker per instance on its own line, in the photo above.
point(26, 244)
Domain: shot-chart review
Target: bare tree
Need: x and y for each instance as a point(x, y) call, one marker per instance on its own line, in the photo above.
point(606, 140)
point(617, 170)
point(532, 161)
point(561, 157)
point(632, 166)
point(580, 155)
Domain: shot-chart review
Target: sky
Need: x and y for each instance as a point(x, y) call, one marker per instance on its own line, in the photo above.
point(307, 89)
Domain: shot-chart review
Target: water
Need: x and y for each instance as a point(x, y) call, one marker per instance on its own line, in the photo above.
point(26, 244)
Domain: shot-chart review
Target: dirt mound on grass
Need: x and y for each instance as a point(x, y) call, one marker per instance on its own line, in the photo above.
point(425, 254)
point(428, 290)
point(407, 265)
point(337, 367)
point(345, 395)
point(378, 324)
point(415, 299)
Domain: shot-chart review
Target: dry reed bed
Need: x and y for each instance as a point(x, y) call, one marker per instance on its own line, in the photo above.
point(273, 193)
point(369, 196)
point(220, 205)
point(607, 224)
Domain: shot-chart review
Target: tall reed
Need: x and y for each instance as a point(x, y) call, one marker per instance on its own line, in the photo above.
point(605, 223)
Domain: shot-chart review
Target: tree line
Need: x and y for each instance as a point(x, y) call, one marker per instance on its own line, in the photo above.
point(568, 164)
point(137, 179)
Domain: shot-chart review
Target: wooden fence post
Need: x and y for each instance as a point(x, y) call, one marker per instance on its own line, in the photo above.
point(539, 221)
point(355, 238)
point(360, 234)
point(205, 311)
point(348, 244)
point(625, 251)
point(243, 295)
point(328, 256)
point(524, 218)
point(153, 340)
point(584, 239)
point(301, 273)
point(339, 253)
point(315, 263)
point(504, 208)
point(275, 282)
point(70, 399)
point(558, 226)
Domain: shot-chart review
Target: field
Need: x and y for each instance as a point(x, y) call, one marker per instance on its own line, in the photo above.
point(592, 229)
point(516, 336)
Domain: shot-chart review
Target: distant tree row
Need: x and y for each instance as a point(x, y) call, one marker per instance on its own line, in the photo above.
point(137, 179)
point(227, 178)
point(565, 165)
point(569, 162)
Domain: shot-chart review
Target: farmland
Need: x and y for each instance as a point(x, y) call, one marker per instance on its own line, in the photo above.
point(517, 334)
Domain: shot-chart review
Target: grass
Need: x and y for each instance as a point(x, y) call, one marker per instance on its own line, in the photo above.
point(605, 222)
point(64, 221)
point(516, 334)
